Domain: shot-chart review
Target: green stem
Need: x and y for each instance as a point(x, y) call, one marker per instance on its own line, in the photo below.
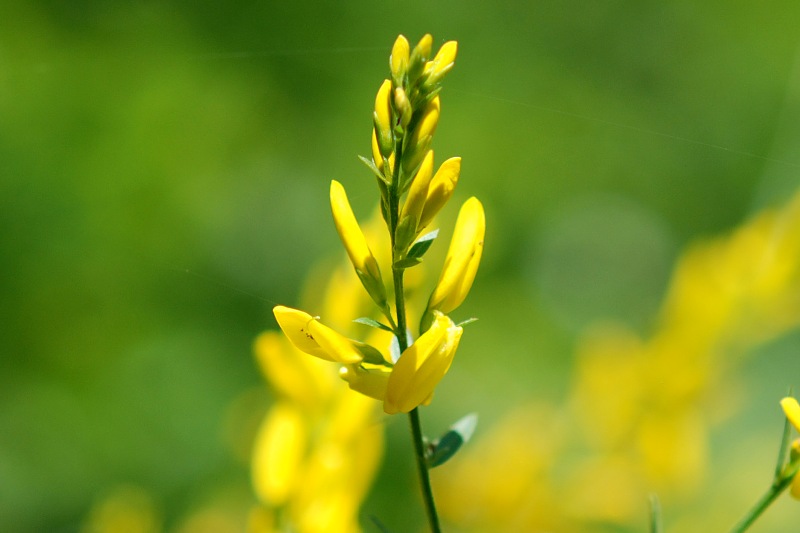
point(402, 342)
point(775, 490)
point(424, 473)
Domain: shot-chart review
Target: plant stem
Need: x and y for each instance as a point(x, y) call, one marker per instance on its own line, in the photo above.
point(424, 474)
point(775, 490)
point(402, 342)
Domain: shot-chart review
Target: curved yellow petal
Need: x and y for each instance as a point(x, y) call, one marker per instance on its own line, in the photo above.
point(308, 335)
point(356, 244)
point(440, 189)
point(463, 258)
point(422, 366)
point(383, 118)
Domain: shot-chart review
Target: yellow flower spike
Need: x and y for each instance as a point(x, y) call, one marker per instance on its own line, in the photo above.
point(398, 61)
point(369, 380)
point(462, 260)
point(356, 245)
point(792, 411)
point(422, 135)
point(308, 335)
point(382, 118)
point(422, 366)
point(440, 190)
point(277, 454)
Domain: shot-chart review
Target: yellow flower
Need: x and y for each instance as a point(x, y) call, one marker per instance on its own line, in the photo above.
point(792, 411)
point(440, 189)
point(445, 58)
point(463, 258)
point(314, 338)
point(382, 118)
point(421, 366)
point(356, 245)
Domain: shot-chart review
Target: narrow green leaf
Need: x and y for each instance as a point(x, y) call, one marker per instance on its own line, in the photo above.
point(656, 523)
point(467, 321)
point(371, 322)
point(419, 248)
point(408, 262)
point(442, 449)
point(370, 165)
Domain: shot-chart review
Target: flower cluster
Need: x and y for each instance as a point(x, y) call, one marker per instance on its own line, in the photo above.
point(402, 375)
point(319, 446)
point(641, 410)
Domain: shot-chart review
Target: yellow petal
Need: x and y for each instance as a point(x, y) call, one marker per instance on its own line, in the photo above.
point(792, 411)
point(277, 454)
point(444, 60)
point(369, 380)
point(418, 192)
point(463, 258)
point(441, 189)
point(383, 118)
point(356, 245)
point(312, 337)
point(422, 366)
point(398, 61)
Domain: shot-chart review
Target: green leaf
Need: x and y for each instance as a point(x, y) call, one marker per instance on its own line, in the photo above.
point(655, 515)
point(446, 446)
point(419, 248)
point(370, 165)
point(371, 322)
point(408, 262)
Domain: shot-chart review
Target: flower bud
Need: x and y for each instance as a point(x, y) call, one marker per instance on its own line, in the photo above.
point(398, 61)
point(382, 118)
point(440, 190)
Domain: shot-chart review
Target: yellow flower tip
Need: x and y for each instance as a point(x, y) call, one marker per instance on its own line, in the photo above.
point(441, 189)
point(424, 46)
point(422, 135)
point(308, 335)
point(422, 366)
point(443, 62)
point(792, 411)
point(398, 61)
point(462, 260)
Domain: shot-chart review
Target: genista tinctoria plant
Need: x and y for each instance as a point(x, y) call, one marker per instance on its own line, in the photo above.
point(404, 374)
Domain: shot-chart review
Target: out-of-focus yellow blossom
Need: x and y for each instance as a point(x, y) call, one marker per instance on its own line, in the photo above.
point(640, 409)
point(355, 243)
point(126, 509)
point(422, 366)
point(278, 452)
point(462, 260)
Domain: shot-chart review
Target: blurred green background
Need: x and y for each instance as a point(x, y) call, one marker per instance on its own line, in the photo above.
point(164, 169)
